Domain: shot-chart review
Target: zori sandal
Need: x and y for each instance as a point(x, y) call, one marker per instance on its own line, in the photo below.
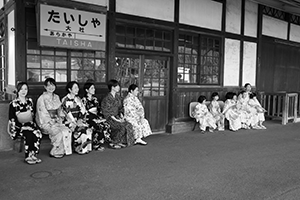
point(30, 161)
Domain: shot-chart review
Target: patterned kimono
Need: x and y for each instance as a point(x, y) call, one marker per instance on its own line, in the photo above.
point(246, 116)
point(48, 117)
point(28, 130)
point(82, 134)
point(215, 110)
point(120, 132)
point(101, 129)
point(232, 115)
point(204, 117)
point(257, 110)
point(134, 114)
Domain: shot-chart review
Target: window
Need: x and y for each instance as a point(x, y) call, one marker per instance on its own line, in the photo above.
point(198, 59)
point(83, 65)
point(143, 38)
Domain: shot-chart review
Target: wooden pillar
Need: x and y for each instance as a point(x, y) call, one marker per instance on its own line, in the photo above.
point(259, 45)
point(111, 40)
point(173, 71)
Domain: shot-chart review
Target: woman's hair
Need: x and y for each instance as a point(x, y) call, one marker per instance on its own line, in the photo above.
point(230, 95)
point(132, 87)
point(252, 94)
point(87, 86)
point(242, 92)
point(201, 98)
point(49, 80)
point(70, 85)
point(19, 86)
point(213, 95)
point(247, 85)
point(112, 83)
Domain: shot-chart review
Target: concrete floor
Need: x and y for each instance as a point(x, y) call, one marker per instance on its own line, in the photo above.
point(248, 164)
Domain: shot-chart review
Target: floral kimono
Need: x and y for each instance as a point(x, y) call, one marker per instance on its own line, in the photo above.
point(134, 114)
point(48, 117)
point(215, 110)
point(120, 132)
point(246, 116)
point(101, 129)
point(28, 130)
point(257, 109)
point(204, 117)
point(82, 134)
point(232, 115)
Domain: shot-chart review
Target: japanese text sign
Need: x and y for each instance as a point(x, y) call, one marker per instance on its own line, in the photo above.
point(68, 28)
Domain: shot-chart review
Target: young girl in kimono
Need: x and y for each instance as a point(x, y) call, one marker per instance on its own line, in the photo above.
point(231, 113)
point(95, 119)
point(76, 119)
point(134, 113)
point(203, 116)
point(215, 110)
point(49, 117)
point(21, 124)
point(243, 109)
point(257, 110)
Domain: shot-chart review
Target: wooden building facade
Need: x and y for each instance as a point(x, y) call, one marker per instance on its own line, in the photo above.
point(175, 50)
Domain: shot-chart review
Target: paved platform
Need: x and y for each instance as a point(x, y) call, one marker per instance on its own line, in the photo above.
point(248, 164)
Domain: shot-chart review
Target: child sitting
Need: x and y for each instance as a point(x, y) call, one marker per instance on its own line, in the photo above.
point(215, 110)
point(203, 116)
point(243, 108)
point(231, 113)
point(258, 110)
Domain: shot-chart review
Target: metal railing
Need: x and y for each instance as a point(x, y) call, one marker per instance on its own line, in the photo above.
point(280, 105)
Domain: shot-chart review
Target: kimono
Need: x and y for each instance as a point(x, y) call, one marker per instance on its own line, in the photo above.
point(215, 110)
point(246, 117)
point(134, 113)
point(28, 130)
point(120, 132)
point(232, 115)
point(82, 134)
point(101, 129)
point(257, 109)
point(204, 117)
point(49, 118)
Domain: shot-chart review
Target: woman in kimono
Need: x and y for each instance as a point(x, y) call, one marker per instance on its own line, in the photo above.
point(215, 110)
point(231, 113)
point(134, 113)
point(49, 117)
point(258, 111)
point(95, 119)
point(21, 124)
point(113, 111)
point(243, 108)
point(75, 119)
point(203, 116)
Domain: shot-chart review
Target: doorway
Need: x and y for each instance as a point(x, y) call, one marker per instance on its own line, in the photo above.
point(151, 74)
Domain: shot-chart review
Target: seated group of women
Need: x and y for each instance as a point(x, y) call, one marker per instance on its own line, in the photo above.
point(242, 111)
point(75, 124)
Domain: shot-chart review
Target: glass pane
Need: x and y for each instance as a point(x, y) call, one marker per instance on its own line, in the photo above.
point(61, 76)
point(61, 62)
point(129, 42)
point(74, 53)
point(33, 61)
point(146, 92)
point(100, 76)
point(88, 64)
point(130, 32)
point(158, 45)
point(33, 75)
point(149, 44)
point(76, 63)
point(167, 46)
point(158, 35)
point(60, 53)
point(100, 54)
point(120, 29)
point(140, 44)
point(89, 54)
point(47, 62)
point(46, 52)
point(140, 33)
point(149, 33)
point(99, 64)
point(47, 74)
point(167, 36)
point(120, 41)
point(33, 51)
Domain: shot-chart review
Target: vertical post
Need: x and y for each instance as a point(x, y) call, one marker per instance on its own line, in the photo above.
point(111, 38)
point(295, 107)
point(285, 109)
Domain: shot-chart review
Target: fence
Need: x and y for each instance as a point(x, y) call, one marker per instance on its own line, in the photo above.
point(280, 105)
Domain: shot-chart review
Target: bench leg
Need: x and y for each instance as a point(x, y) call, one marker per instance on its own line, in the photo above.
point(195, 126)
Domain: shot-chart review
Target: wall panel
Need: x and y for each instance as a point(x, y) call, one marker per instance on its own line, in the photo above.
point(157, 9)
point(233, 16)
point(274, 27)
point(249, 63)
point(295, 33)
point(231, 62)
point(201, 13)
point(251, 11)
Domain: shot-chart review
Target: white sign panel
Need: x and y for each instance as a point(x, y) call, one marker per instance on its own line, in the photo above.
point(69, 28)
